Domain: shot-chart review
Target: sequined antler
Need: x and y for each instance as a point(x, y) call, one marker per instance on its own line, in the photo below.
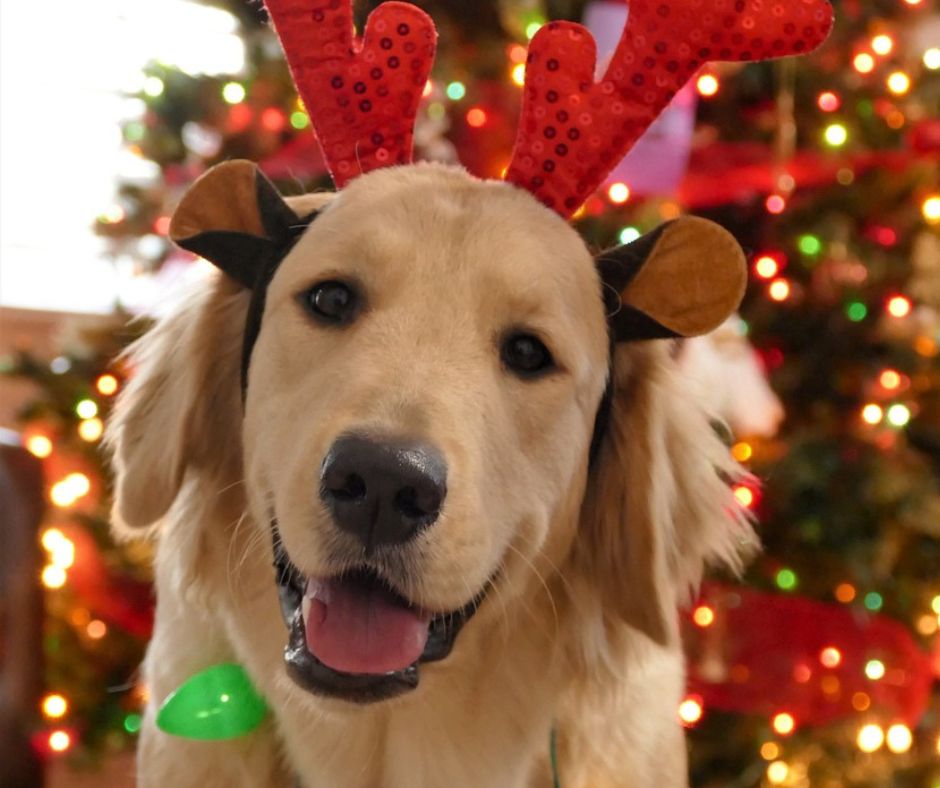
point(574, 130)
point(362, 94)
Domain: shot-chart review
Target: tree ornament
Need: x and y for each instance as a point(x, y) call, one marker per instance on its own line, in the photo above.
point(218, 703)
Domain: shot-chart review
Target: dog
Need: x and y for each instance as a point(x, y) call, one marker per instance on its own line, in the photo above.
point(450, 338)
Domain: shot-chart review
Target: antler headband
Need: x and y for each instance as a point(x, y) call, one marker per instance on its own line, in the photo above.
point(363, 94)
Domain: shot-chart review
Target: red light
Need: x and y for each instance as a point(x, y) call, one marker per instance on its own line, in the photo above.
point(828, 101)
point(476, 118)
point(775, 204)
point(239, 117)
point(273, 119)
point(161, 225)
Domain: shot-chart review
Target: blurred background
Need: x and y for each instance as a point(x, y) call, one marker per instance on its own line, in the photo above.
point(819, 668)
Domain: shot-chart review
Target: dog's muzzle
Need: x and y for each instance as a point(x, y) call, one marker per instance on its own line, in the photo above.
point(354, 637)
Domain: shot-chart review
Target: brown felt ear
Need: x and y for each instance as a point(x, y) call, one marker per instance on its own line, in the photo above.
point(223, 199)
point(682, 280)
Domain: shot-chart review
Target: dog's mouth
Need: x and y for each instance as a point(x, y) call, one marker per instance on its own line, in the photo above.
point(354, 637)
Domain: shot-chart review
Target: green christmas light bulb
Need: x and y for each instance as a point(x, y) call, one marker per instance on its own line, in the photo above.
point(218, 703)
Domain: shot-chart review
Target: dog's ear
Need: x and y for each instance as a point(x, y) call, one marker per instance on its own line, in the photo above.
point(681, 280)
point(659, 506)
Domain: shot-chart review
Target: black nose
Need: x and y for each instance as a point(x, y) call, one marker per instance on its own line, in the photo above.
point(383, 491)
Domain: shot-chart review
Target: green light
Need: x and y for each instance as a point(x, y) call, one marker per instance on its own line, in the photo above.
point(856, 311)
point(134, 131)
point(873, 601)
point(132, 723)
point(810, 245)
point(532, 28)
point(898, 415)
point(456, 91)
point(299, 120)
point(865, 108)
point(628, 235)
point(786, 579)
point(233, 92)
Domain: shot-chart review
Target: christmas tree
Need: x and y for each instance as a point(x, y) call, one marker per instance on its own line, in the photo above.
point(819, 667)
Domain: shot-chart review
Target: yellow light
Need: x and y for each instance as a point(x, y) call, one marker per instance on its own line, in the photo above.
point(890, 379)
point(518, 74)
point(703, 616)
point(783, 723)
point(898, 415)
point(927, 625)
point(777, 772)
point(59, 741)
point(872, 413)
point(769, 750)
point(63, 554)
point(690, 711)
point(39, 446)
point(899, 306)
point(864, 63)
point(86, 409)
point(79, 483)
point(52, 538)
point(875, 669)
point(96, 629)
point(707, 85)
point(882, 45)
point(54, 706)
point(153, 86)
point(870, 738)
point(935, 604)
point(779, 290)
point(830, 657)
point(899, 83)
point(742, 451)
point(107, 385)
point(932, 58)
point(845, 592)
point(618, 193)
point(766, 267)
point(931, 209)
point(53, 576)
point(899, 738)
point(91, 430)
point(233, 92)
point(744, 495)
point(836, 135)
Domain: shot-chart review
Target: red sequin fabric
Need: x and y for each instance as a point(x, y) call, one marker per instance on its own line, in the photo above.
point(362, 95)
point(574, 130)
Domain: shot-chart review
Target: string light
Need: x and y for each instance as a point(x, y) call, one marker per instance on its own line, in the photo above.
point(830, 657)
point(518, 53)
point(786, 579)
point(872, 414)
point(863, 63)
point(898, 415)
point(618, 193)
point(132, 723)
point(744, 495)
point(899, 306)
point(769, 750)
point(777, 772)
point(875, 669)
point(272, 119)
point(703, 616)
point(927, 625)
point(113, 214)
point(810, 244)
point(766, 267)
point(39, 446)
point(779, 290)
point(59, 741)
point(870, 738)
point(299, 120)
point(233, 92)
point(428, 89)
point(889, 379)
point(691, 710)
point(898, 83)
point(856, 311)
point(845, 593)
point(107, 385)
point(931, 209)
point(91, 430)
point(629, 235)
point(861, 701)
point(899, 738)
point(882, 44)
point(828, 101)
point(96, 629)
point(707, 85)
point(518, 74)
point(932, 58)
point(742, 451)
point(153, 86)
point(476, 118)
point(456, 91)
point(54, 706)
point(835, 135)
point(531, 29)
point(86, 409)
point(783, 723)
point(873, 601)
point(70, 489)
point(53, 576)
point(775, 204)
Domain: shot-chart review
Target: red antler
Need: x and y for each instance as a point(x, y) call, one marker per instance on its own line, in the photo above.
point(362, 94)
point(574, 131)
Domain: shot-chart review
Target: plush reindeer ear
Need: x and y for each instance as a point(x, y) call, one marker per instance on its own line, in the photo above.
point(681, 280)
point(235, 218)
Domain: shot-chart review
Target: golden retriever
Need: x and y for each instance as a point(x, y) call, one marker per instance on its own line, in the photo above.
point(483, 481)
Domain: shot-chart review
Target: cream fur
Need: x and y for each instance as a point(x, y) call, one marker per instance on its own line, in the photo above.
point(580, 630)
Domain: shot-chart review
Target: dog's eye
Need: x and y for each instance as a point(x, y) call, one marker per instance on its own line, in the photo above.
point(332, 302)
point(526, 355)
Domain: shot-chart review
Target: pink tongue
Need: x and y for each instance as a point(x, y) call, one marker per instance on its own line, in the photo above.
point(354, 628)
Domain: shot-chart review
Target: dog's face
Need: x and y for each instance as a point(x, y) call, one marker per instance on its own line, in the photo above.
point(428, 358)
point(420, 404)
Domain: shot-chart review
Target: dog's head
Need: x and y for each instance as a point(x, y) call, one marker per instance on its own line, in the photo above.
point(417, 388)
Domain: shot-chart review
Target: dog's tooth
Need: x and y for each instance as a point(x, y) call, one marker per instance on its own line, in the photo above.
point(317, 589)
point(305, 604)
